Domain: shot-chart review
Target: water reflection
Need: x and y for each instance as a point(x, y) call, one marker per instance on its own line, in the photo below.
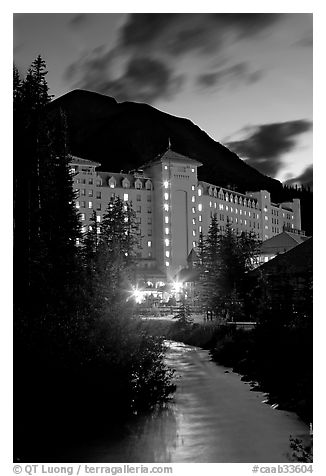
point(214, 417)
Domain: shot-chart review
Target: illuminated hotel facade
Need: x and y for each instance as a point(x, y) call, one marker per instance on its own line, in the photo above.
point(172, 208)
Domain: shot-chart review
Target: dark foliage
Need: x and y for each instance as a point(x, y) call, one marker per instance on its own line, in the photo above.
point(82, 363)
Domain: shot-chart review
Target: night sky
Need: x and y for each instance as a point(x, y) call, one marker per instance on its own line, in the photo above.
point(246, 79)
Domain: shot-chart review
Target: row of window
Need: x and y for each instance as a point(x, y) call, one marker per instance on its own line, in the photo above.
point(126, 183)
point(232, 198)
point(89, 181)
point(82, 204)
point(235, 210)
point(90, 193)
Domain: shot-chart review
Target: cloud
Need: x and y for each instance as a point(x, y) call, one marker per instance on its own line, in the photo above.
point(161, 40)
point(264, 146)
point(305, 178)
point(78, 20)
point(144, 79)
point(306, 42)
point(182, 33)
point(238, 73)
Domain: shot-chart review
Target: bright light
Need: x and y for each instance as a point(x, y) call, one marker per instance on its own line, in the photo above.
point(166, 207)
point(137, 294)
point(200, 207)
point(166, 196)
point(166, 184)
point(167, 254)
point(166, 219)
point(167, 230)
point(167, 241)
point(125, 197)
point(167, 263)
point(199, 192)
point(177, 286)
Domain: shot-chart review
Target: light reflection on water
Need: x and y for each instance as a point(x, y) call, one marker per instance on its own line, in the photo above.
point(214, 417)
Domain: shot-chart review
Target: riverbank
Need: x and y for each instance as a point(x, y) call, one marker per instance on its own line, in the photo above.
point(277, 361)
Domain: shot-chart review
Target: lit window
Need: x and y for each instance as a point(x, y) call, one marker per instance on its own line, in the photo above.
point(82, 216)
point(194, 221)
point(167, 263)
point(125, 197)
point(166, 196)
point(210, 204)
point(199, 192)
point(193, 198)
point(90, 204)
point(266, 218)
point(111, 185)
point(166, 207)
point(98, 218)
point(149, 244)
point(200, 218)
point(226, 208)
point(240, 212)
point(215, 205)
point(245, 222)
point(192, 170)
point(166, 219)
point(167, 254)
point(200, 207)
point(266, 227)
point(77, 204)
point(125, 219)
point(166, 184)
point(200, 229)
point(192, 187)
point(167, 242)
point(90, 193)
point(167, 230)
point(193, 210)
point(165, 167)
point(194, 244)
point(193, 232)
point(125, 208)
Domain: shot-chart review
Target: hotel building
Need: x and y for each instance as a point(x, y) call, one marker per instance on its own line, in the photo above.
point(173, 207)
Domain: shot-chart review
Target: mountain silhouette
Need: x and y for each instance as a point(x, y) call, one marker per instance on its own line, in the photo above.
point(123, 136)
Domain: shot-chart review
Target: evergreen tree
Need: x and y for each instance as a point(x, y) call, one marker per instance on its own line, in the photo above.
point(209, 279)
point(114, 249)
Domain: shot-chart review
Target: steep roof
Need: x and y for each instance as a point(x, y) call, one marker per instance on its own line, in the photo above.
point(74, 160)
point(282, 242)
point(170, 155)
point(295, 261)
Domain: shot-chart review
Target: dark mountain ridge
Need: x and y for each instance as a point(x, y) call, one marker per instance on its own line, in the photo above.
point(126, 135)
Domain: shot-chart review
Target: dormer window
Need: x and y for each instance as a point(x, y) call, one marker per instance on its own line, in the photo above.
point(112, 182)
point(235, 199)
point(125, 183)
point(138, 184)
point(148, 185)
